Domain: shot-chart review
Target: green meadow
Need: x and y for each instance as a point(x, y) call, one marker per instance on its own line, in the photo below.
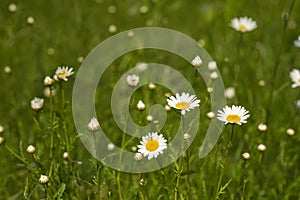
point(258, 159)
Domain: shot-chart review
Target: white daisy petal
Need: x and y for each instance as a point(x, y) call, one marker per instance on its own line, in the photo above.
point(243, 24)
point(295, 77)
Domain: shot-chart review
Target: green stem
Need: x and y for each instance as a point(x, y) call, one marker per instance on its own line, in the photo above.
point(277, 61)
point(52, 132)
point(229, 147)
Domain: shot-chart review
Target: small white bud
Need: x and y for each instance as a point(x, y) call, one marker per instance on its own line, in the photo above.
point(138, 156)
point(133, 148)
point(229, 93)
point(149, 118)
point(30, 20)
point(12, 7)
point(214, 75)
point(80, 59)
point(261, 147)
point(112, 28)
point(93, 124)
point(210, 89)
point(186, 136)
point(50, 51)
point(65, 155)
point(44, 179)
point(210, 115)
point(133, 80)
point(1, 129)
point(197, 61)
point(30, 149)
point(152, 86)
point(48, 81)
point(143, 9)
point(246, 156)
point(167, 108)
point(212, 65)
point(290, 132)
point(262, 127)
point(261, 83)
point(37, 103)
point(110, 147)
point(140, 105)
point(7, 69)
point(1, 140)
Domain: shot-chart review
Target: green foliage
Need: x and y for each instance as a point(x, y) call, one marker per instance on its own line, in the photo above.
point(64, 31)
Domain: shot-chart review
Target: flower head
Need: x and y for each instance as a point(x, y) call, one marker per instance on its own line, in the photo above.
point(1, 128)
point(197, 61)
point(62, 73)
point(246, 156)
point(261, 147)
point(93, 124)
point(243, 24)
point(133, 80)
point(1, 140)
point(212, 65)
point(48, 81)
point(183, 102)
point(30, 149)
point(233, 115)
point(44, 179)
point(140, 105)
point(297, 42)
point(152, 145)
point(262, 127)
point(37, 103)
point(295, 76)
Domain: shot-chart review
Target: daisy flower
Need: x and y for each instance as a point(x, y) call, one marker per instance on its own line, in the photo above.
point(295, 76)
point(183, 102)
point(233, 115)
point(133, 80)
point(37, 103)
point(62, 73)
point(243, 24)
point(297, 42)
point(152, 145)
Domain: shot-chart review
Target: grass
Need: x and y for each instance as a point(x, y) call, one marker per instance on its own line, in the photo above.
point(63, 31)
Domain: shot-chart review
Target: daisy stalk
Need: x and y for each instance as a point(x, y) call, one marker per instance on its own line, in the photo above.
point(234, 115)
point(277, 60)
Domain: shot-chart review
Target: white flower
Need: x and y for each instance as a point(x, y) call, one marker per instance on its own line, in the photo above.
point(261, 147)
point(167, 108)
point(197, 61)
point(262, 127)
point(149, 118)
point(30, 20)
point(12, 7)
point(186, 136)
point(152, 145)
point(212, 65)
point(49, 92)
point(138, 156)
point(1, 140)
point(246, 156)
point(140, 105)
point(229, 93)
point(62, 73)
point(30, 149)
point(1, 128)
point(210, 115)
point(233, 115)
point(210, 89)
point(152, 86)
point(214, 75)
point(65, 155)
point(48, 81)
point(133, 80)
point(37, 103)
point(290, 132)
point(44, 179)
point(295, 76)
point(7, 69)
point(297, 42)
point(110, 147)
point(112, 28)
point(183, 102)
point(93, 124)
point(243, 24)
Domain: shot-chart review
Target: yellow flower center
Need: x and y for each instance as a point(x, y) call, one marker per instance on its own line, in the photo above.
point(182, 105)
point(62, 74)
point(233, 118)
point(152, 145)
point(242, 28)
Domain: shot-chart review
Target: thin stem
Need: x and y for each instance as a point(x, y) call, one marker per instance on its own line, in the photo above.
point(277, 60)
point(51, 132)
point(229, 147)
